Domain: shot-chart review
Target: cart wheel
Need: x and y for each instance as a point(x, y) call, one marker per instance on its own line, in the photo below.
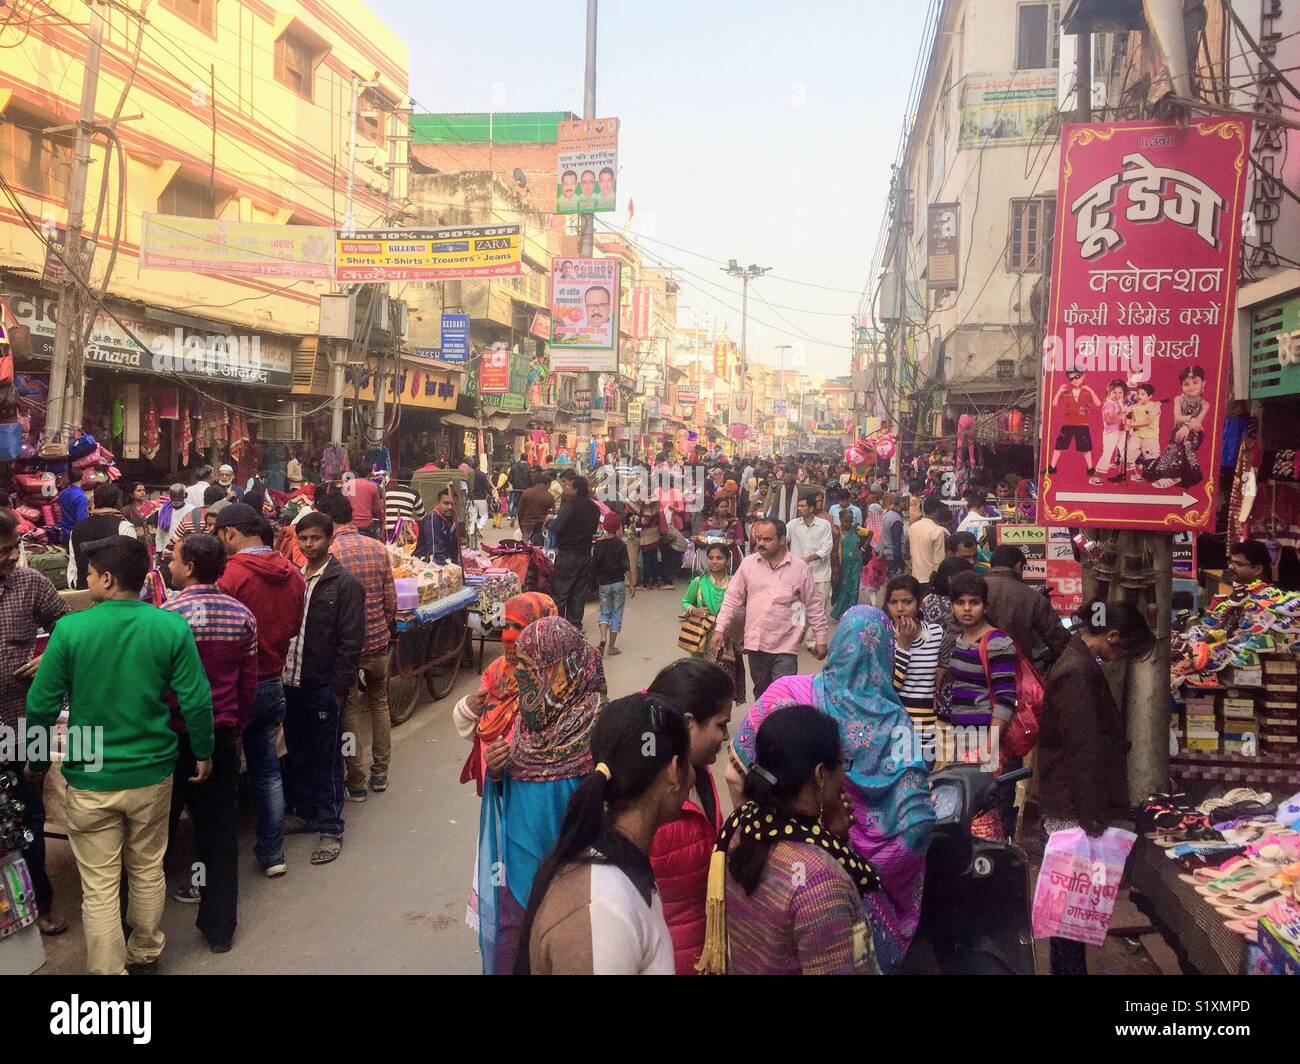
point(403, 693)
point(442, 678)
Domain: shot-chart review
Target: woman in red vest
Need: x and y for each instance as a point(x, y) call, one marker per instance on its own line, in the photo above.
point(682, 848)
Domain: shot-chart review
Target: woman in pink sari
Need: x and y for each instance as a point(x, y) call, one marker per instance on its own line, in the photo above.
point(885, 777)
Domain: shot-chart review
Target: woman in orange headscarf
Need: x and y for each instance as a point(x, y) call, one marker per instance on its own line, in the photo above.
point(487, 717)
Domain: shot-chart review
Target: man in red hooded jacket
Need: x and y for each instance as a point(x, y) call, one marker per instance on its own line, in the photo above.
point(273, 590)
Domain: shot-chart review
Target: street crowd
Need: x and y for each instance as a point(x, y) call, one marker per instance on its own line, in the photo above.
point(253, 630)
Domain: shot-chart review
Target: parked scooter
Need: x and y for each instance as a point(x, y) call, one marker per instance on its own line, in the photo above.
point(975, 912)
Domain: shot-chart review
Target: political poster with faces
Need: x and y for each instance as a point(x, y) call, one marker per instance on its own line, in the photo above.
point(587, 166)
point(584, 304)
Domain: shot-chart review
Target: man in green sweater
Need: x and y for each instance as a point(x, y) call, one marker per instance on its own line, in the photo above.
point(114, 664)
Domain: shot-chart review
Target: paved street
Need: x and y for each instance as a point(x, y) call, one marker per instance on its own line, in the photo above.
point(395, 900)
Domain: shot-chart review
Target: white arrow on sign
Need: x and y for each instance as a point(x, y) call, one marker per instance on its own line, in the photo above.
point(1183, 500)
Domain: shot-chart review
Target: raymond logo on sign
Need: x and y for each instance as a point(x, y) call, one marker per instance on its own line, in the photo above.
point(1147, 248)
point(587, 166)
point(942, 239)
point(584, 304)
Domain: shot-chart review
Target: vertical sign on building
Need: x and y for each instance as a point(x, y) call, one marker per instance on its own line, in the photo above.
point(587, 166)
point(942, 238)
point(1147, 249)
point(455, 338)
point(494, 371)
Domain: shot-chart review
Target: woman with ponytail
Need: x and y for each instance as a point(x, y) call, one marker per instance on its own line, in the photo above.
point(786, 887)
point(594, 909)
point(681, 851)
point(561, 689)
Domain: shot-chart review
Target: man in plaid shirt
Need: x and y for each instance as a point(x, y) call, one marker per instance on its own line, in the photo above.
point(226, 633)
point(28, 602)
point(367, 560)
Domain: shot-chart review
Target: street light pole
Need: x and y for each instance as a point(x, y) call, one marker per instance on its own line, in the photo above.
point(746, 274)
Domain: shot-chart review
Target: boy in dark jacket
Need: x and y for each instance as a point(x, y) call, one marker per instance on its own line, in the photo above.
point(319, 672)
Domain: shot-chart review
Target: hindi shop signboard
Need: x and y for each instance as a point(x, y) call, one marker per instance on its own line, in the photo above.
point(494, 371)
point(587, 166)
point(1148, 243)
point(454, 253)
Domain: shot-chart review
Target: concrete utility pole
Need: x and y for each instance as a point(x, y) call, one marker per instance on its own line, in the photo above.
point(1134, 567)
point(746, 274)
point(587, 222)
point(65, 385)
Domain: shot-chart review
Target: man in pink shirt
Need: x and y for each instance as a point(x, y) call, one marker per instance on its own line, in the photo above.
point(367, 505)
point(775, 592)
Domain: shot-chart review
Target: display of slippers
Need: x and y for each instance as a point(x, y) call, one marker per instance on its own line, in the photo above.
point(1245, 928)
point(1235, 797)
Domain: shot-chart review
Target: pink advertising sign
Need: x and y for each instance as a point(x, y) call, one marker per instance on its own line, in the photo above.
point(1137, 349)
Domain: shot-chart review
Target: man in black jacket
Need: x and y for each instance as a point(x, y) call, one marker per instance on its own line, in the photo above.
point(521, 479)
point(319, 671)
point(573, 528)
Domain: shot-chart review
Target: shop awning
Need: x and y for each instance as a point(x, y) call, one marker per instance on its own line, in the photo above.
point(460, 421)
point(499, 422)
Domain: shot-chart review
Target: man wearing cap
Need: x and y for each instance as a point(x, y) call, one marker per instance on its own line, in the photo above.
point(273, 590)
point(226, 478)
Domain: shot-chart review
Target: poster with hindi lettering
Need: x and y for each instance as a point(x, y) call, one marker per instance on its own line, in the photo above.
point(1139, 327)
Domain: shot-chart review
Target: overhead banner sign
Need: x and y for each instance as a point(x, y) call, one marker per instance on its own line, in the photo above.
point(584, 305)
point(587, 166)
point(1006, 108)
point(1148, 244)
point(779, 408)
point(942, 238)
point(455, 338)
point(454, 253)
point(258, 249)
point(635, 411)
point(688, 394)
point(720, 359)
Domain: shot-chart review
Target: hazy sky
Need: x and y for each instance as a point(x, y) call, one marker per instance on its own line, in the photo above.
point(760, 131)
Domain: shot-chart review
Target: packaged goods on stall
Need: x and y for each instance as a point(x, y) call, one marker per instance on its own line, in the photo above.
point(432, 581)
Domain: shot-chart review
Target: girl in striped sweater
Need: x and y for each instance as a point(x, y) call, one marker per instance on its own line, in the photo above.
point(983, 673)
point(983, 662)
point(916, 653)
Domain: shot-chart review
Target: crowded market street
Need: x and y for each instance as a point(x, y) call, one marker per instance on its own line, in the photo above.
point(827, 503)
point(395, 902)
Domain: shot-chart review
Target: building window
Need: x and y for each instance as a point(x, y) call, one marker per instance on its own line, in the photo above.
point(32, 160)
point(295, 64)
point(188, 198)
point(371, 117)
point(1006, 369)
point(1038, 36)
point(1032, 223)
point(200, 13)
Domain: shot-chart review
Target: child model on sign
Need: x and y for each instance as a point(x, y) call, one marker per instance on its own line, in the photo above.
point(1143, 420)
point(1178, 463)
point(1112, 429)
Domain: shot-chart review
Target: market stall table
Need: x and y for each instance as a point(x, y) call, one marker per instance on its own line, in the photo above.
point(1191, 926)
point(427, 651)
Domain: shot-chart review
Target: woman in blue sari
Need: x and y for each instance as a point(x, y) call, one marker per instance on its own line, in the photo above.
point(885, 778)
point(850, 567)
point(561, 689)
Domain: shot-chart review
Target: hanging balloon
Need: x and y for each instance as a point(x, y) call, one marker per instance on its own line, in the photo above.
point(886, 444)
point(854, 456)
